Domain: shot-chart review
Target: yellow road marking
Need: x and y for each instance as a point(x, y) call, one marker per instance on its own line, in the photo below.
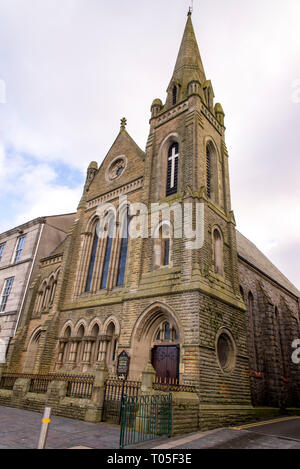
point(257, 424)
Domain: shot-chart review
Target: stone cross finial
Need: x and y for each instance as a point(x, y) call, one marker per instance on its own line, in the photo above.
point(123, 123)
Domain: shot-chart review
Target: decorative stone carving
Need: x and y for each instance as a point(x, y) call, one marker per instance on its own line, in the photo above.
point(91, 172)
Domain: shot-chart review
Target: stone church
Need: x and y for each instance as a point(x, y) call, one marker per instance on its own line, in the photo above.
point(220, 317)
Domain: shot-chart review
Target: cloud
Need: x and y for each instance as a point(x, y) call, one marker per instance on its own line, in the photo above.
point(31, 190)
point(73, 68)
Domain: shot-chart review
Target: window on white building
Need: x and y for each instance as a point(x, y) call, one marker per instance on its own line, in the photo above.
point(2, 246)
point(19, 248)
point(5, 293)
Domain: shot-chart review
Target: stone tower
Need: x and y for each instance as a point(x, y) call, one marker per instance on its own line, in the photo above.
point(187, 142)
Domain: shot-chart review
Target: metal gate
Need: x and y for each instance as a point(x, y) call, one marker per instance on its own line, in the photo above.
point(114, 392)
point(145, 418)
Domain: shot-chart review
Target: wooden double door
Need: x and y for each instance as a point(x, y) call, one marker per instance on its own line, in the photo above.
point(165, 361)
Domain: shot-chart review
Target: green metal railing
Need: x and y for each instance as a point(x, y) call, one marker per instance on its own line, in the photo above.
point(145, 418)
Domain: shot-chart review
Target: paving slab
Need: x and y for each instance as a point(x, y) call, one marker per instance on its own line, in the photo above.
point(20, 429)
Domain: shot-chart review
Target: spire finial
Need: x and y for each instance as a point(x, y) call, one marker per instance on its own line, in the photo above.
point(123, 123)
point(191, 8)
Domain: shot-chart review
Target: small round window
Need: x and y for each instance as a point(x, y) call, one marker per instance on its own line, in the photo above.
point(225, 351)
point(116, 168)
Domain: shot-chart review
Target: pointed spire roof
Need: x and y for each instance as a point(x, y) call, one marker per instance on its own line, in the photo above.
point(189, 64)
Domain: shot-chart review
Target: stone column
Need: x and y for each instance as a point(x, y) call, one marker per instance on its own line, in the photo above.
point(73, 350)
point(148, 378)
point(88, 349)
point(94, 410)
point(102, 349)
point(62, 345)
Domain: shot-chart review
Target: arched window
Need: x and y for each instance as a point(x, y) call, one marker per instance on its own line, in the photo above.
point(166, 333)
point(280, 342)
point(123, 249)
point(162, 244)
point(112, 345)
point(107, 256)
point(253, 335)
point(212, 190)
point(66, 346)
point(80, 346)
point(165, 252)
point(52, 290)
point(218, 252)
point(174, 95)
point(165, 244)
point(208, 172)
point(45, 295)
point(92, 262)
point(172, 169)
point(96, 343)
point(32, 352)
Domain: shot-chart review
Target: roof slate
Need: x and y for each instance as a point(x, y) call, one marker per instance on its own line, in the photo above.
point(248, 251)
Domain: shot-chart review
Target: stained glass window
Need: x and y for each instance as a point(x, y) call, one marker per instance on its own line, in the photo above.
point(123, 254)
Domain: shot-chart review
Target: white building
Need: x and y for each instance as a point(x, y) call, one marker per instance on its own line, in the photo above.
point(21, 248)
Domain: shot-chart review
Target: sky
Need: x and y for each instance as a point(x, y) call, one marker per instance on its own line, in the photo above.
point(71, 69)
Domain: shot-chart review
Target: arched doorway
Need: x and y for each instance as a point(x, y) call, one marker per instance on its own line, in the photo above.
point(157, 338)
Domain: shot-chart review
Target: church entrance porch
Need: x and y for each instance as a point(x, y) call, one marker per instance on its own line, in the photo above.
point(156, 338)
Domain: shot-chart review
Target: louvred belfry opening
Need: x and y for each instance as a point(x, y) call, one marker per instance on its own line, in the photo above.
point(172, 171)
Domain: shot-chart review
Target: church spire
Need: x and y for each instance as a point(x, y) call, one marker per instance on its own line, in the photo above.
point(189, 64)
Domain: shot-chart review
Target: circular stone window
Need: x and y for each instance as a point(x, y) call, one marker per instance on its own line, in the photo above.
point(225, 349)
point(116, 168)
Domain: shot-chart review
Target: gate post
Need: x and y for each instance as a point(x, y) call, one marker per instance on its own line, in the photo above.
point(148, 378)
point(94, 410)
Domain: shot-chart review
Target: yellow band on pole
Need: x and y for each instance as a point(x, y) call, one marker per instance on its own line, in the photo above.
point(46, 420)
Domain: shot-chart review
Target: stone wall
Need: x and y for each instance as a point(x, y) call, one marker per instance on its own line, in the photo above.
point(185, 413)
point(272, 325)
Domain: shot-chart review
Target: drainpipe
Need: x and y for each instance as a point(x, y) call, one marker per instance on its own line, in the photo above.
point(29, 276)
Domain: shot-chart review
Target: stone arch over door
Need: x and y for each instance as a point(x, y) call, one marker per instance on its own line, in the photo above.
point(32, 351)
point(149, 338)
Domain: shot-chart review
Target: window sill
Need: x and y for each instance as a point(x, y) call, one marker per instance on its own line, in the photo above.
point(14, 264)
point(7, 313)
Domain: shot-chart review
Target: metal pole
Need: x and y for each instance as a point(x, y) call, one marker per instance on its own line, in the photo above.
point(122, 394)
point(44, 429)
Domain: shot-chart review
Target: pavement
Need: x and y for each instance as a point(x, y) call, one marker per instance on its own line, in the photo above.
point(20, 429)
